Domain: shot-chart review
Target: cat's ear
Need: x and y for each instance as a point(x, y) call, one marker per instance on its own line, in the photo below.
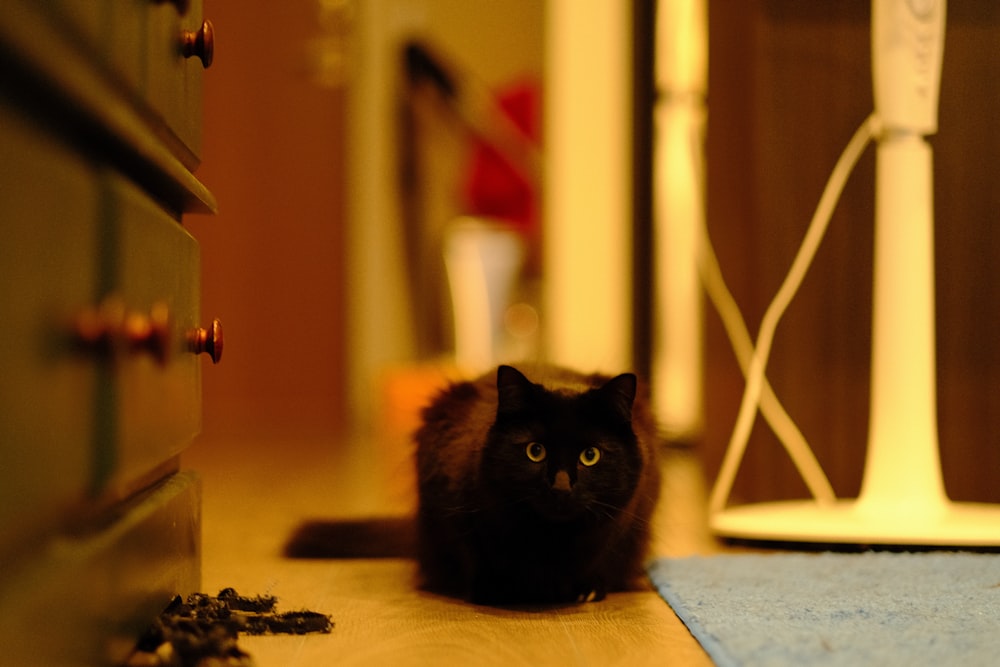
point(618, 393)
point(513, 389)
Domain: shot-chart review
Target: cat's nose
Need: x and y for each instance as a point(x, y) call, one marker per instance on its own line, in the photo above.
point(562, 482)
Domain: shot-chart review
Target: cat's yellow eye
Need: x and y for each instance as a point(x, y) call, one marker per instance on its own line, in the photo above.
point(536, 452)
point(590, 456)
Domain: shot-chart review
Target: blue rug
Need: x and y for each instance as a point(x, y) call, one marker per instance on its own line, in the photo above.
point(935, 609)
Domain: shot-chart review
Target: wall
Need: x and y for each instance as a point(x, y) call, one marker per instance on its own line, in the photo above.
point(272, 258)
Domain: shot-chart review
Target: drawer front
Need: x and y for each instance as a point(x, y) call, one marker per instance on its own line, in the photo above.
point(173, 81)
point(157, 388)
point(85, 415)
point(138, 45)
point(83, 600)
point(50, 214)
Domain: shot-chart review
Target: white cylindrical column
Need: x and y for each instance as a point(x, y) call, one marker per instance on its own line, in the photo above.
point(903, 471)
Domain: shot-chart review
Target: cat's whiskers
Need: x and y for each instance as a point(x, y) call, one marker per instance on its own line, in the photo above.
point(599, 510)
point(620, 512)
point(458, 510)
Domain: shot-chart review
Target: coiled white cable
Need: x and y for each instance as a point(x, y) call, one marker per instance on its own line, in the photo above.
point(757, 393)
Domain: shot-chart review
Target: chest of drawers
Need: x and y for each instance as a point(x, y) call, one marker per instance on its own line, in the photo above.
point(100, 329)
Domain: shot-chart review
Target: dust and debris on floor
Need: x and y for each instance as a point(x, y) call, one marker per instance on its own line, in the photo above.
point(203, 630)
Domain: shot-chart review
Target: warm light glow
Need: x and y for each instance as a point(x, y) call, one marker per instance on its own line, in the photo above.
point(587, 313)
point(679, 210)
point(682, 45)
point(677, 346)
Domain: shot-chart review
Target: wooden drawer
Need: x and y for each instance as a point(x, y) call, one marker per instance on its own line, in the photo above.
point(49, 249)
point(84, 414)
point(138, 44)
point(111, 74)
point(84, 599)
point(174, 82)
point(156, 393)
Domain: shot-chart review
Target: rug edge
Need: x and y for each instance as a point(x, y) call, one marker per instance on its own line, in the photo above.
point(709, 642)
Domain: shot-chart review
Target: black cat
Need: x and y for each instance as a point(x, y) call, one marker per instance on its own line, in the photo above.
point(536, 492)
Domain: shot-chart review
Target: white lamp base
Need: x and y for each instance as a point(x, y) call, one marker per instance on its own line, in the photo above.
point(863, 523)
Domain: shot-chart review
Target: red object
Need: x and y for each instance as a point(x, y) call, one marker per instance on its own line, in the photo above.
point(495, 188)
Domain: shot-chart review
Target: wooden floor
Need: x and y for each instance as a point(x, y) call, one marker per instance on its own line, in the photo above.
point(255, 494)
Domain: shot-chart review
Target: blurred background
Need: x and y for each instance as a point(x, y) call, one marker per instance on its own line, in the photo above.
point(362, 151)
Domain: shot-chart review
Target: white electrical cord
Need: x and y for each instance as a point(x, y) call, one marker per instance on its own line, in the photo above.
point(758, 394)
point(770, 406)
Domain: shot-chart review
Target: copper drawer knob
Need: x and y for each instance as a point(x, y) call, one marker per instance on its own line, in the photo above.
point(111, 329)
point(149, 333)
point(200, 43)
point(208, 341)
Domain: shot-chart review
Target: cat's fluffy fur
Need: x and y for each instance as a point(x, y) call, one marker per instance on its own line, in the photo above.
point(498, 526)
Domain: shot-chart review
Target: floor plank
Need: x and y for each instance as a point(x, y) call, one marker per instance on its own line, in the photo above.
point(255, 494)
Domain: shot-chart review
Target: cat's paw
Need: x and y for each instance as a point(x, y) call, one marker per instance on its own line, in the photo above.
point(593, 595)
